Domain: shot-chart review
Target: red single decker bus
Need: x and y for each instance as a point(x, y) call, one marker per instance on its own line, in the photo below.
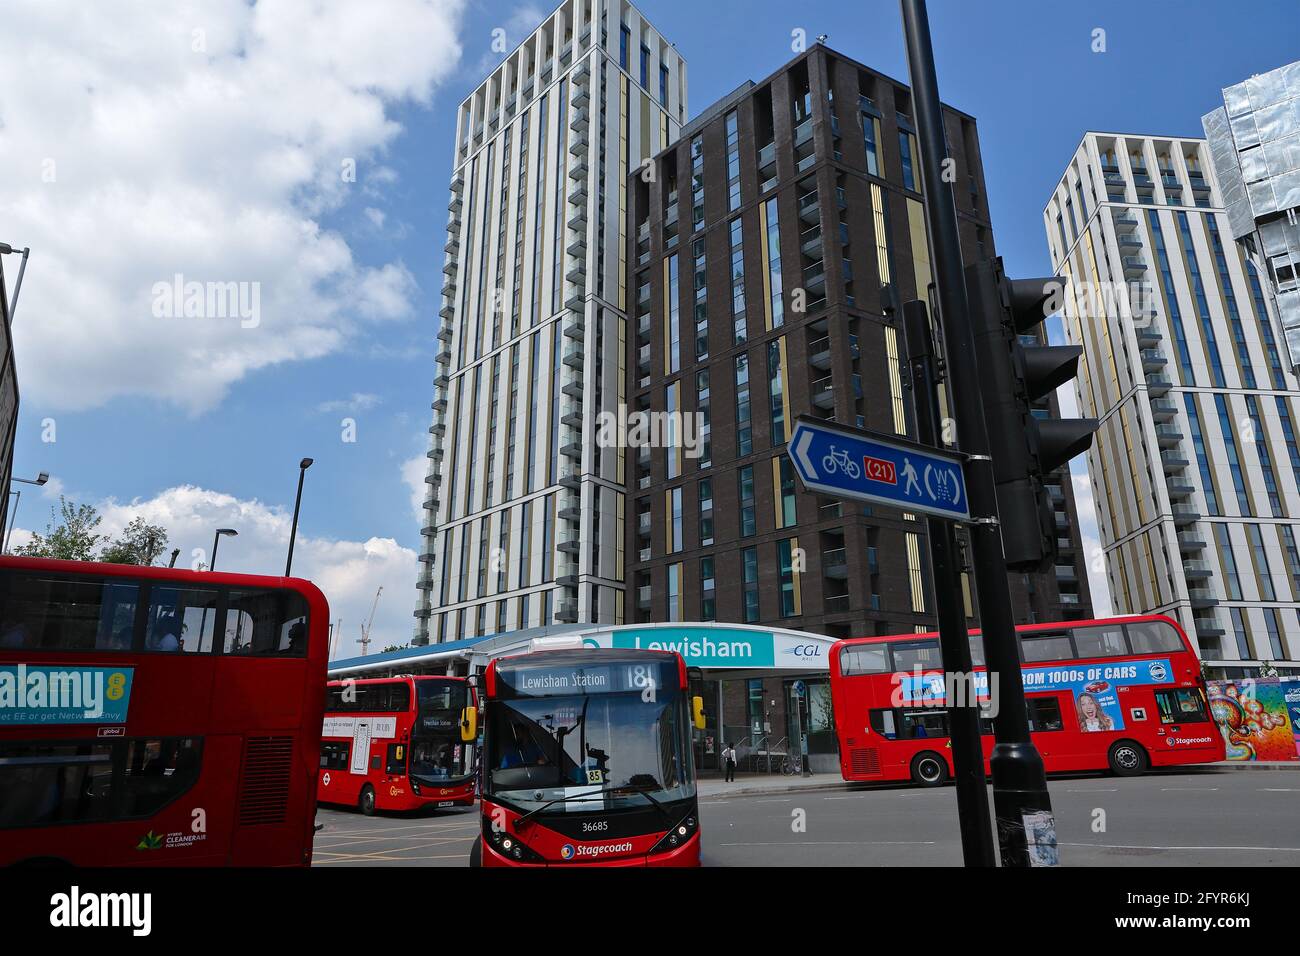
point(587, 760)
point(398, 743)
point(157, 716)
point(1122, 694)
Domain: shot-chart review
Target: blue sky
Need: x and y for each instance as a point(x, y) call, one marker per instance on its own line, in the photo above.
point(350, 271)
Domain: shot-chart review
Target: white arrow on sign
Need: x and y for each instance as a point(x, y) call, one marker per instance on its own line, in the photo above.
point(801, 453)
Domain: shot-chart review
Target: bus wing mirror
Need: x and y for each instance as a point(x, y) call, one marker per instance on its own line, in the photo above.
point(469, 724)
point(697, 712)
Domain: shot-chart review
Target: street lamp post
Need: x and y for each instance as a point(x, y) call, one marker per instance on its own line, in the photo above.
point(40, 479)
point(297, 503)
point(216, 540)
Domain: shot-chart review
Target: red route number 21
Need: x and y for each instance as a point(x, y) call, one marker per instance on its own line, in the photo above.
point(878, 469)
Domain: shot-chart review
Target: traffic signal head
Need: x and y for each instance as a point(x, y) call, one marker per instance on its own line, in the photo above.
point(1014, 374)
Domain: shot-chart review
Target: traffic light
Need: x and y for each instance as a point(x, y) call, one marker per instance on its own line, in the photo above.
point(1013, 375)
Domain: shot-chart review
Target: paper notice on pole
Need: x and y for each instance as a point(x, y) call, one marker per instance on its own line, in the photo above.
point(1040, 838)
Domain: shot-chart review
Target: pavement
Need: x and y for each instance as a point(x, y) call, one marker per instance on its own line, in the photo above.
point(1213, 815)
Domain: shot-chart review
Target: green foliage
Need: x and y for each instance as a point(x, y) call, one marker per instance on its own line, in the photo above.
point(74, 538)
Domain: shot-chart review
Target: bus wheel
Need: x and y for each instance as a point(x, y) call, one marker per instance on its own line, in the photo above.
point(367, 801)
point(476, 853)
point(1127, 759)
point(929, 769)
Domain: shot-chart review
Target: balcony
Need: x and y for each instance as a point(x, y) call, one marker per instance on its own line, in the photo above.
point(572, 450)
point(823, 395)
point(1066, 574)
point(1190, 542)
point(810, 242)
point(440, 380)
point(643, 594)
point(445, 333)
point(1149, 336)
point(767, 159)
point(580, 97)
point(573, 416)
point(577, 273)
point(452, 245)
point(1180, 488)
point(578, 142)
point(803, 133)
point(1134, 266)
point(1173, 461)
point(571, 480)
point(454, 205)
point(835, 563)
point(579, 169)
point(577, 248)
point(1202, 597)
point(566, 611)
point(643, 523)
point(575, 302)
point(810, 208)
point(448, 310)
point(1125, 221)
point(1129, 243)
point(1208, 629)
point(1197, 570)
point(1158, 384)
point(443, 357)
point(571, 508)
point(578, 195)
point(573, 389)
point(1169, 435)
point(575, 325)
point(574, 357)
point(819, 353)
point(1163, 410)
point(439, 402)
point(1186, 514)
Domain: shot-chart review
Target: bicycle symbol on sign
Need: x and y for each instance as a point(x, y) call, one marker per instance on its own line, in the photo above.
point(839, 460)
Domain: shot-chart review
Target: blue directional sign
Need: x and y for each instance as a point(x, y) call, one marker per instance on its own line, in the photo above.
point(846, 463)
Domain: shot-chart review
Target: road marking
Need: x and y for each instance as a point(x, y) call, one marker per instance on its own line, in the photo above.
point(1096, 790)
point(1279, 790)
point(788, 800)
point(1206, 789)
point(1137, 846)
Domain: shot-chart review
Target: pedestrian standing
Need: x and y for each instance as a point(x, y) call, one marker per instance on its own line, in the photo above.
point(729, 758)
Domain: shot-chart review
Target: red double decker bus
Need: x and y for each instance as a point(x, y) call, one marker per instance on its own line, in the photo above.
point(157, 716)
point(1121, 694)
point(588, 760)
point(398, 743)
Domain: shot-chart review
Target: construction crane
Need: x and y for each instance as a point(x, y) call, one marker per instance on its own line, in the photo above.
point(365, 628)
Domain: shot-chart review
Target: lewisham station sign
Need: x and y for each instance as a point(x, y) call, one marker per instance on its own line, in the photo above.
point(723, 646)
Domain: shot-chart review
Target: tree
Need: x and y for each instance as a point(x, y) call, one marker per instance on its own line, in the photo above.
point(73, 540)
point(395, 647)
point(139, 543)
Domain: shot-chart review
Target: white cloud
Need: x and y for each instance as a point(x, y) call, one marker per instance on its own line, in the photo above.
point(205, 139)
point(347, 571)
point(414, 471)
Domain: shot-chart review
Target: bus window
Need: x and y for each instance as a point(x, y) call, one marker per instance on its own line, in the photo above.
point(911, 655)
point(977, 650)
point(864, 659)
point(1044, 713)
point(1104, 640)
point(77, 614)
point(924, 723)
point(1036, 648)
point(271, 623)
point(335, 755)
point(46, 784)
point(882, 722)
point(181, 619)
point(1153, 637)
point(1181, 706)
point(157, 772)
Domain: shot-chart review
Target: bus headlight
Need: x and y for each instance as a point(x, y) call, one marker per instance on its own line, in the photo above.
point(678, 835)
point(508, 844)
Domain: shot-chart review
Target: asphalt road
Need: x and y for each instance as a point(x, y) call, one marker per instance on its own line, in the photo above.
point(1167, 819)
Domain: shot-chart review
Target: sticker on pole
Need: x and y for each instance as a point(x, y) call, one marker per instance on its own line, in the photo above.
point(1040, 838)
point(863, 466)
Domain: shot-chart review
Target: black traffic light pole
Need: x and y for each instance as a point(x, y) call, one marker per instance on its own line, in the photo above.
point(963, 713)
point(1019, 780)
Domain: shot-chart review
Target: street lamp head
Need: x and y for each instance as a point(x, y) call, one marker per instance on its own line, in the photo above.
point(306, 463)
point(230, 532)
point(43, 477)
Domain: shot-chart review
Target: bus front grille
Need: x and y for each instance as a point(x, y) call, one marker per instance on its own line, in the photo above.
point(865, 761)
point(265, 792)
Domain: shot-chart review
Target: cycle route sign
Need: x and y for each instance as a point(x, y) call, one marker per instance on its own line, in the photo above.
point(865, 466)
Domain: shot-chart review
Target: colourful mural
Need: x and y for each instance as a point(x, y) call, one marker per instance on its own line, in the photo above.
point(1254, 717)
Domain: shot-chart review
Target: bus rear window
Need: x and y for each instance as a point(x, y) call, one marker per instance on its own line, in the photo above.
point(1153, 637)
point(270, 623)
point(1181, 706)
point(77, 614)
